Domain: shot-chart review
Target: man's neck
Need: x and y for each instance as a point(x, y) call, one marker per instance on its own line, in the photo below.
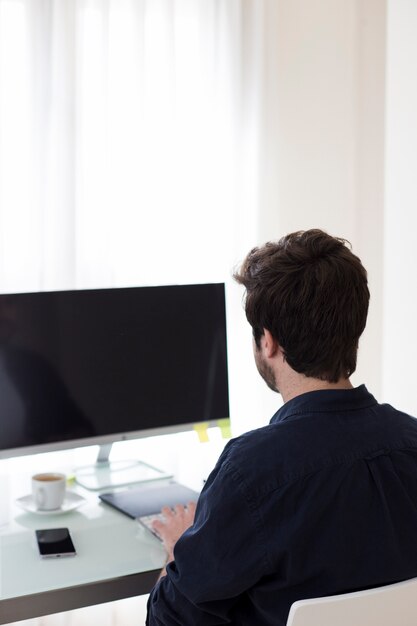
point(296, 385)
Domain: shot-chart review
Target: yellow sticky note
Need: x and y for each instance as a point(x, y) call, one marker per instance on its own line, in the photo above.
point(225, 428)
point(201, 430)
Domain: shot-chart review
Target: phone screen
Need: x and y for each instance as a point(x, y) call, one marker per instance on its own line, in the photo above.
point(55, 542)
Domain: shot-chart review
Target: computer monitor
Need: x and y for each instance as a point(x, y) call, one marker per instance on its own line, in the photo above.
point(98, 366)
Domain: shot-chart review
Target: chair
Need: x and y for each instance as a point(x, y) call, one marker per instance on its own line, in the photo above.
point(391, 605)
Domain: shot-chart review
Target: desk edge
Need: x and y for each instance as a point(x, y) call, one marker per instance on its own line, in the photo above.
point(69, 598)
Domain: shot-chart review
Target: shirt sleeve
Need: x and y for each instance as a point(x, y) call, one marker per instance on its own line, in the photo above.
point(217, 560)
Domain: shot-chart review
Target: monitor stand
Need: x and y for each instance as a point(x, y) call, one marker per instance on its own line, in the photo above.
point(106, 474)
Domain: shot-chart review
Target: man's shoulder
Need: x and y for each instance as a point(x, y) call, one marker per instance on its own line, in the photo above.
point(255, 440)
point(284, 451)
point(264, 451)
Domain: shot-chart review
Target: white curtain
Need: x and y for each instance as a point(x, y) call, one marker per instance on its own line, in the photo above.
point(122, 142)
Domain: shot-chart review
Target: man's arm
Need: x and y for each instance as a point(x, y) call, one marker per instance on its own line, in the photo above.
point(217, 559)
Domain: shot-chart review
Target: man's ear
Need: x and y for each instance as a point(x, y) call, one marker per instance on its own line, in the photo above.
point(270, 344)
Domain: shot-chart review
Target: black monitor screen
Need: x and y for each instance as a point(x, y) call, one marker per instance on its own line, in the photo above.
point(76, 365)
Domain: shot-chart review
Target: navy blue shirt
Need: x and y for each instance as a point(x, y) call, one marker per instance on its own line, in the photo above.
point(321, 501)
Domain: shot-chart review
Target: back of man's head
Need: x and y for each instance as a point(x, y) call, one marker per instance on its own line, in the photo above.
point(311, 292)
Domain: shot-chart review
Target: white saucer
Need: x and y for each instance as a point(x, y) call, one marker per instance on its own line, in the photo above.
point(72, 501)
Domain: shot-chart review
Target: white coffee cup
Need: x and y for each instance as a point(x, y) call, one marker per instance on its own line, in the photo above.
point(48, 490)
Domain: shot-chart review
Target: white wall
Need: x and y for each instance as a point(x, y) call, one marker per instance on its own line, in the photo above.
point(322, 137)
point(400, 265)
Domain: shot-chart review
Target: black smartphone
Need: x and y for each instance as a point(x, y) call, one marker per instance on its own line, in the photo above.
point(54, 542)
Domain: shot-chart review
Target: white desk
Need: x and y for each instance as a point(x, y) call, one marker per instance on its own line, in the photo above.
point(116, 558)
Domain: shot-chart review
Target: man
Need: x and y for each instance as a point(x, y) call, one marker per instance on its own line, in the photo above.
point(321, 501)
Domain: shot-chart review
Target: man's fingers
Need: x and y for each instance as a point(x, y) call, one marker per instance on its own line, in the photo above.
point(191, 506)
point(167, 512)
point(179, 510)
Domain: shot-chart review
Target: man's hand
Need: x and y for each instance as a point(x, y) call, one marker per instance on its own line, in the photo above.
point(176, 522)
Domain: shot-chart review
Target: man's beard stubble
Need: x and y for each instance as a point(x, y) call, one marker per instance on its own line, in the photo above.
point(266, 371)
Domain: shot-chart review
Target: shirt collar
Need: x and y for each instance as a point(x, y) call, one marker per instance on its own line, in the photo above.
point(325, 401)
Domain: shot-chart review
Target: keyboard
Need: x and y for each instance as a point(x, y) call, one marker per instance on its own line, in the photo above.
point(146, 521)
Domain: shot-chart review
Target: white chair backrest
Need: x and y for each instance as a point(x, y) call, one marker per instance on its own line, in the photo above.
point(392, 605)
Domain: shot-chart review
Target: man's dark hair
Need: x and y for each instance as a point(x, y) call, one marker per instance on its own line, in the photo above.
point(311, 292)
